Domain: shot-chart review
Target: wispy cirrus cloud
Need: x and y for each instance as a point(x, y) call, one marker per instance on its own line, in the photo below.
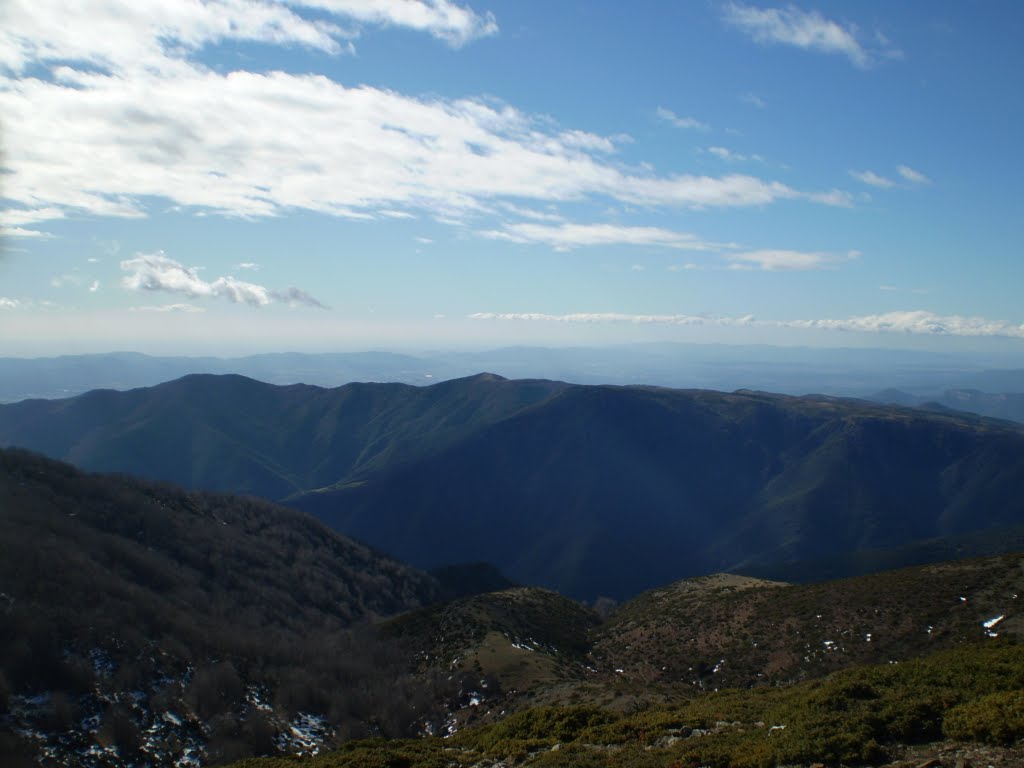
point(873, 179)
point(808, 30)
point(7, 303)
point(295, 297)
point(22, 232)
point(69, 278)
point(567, 236)
point(445, 20)
point(910, 174)
point(912, 322)
point(158, 273)
point(723, 153)
point(751, 98)
point(788, 260)
point(179, 307)
point(687, 123)
point(883, 182)
point(918, 322)
point(11, 220)
point(613, 317)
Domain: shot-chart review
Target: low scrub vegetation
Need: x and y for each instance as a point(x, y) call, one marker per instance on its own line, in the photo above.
point(853, 717)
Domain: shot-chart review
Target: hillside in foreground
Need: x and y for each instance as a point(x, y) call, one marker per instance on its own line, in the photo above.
point(141, 622)
point(149, 626)
point(918, 667)
point(956, 708)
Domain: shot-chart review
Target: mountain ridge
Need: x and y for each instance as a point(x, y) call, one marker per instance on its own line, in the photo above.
point(591, 490)
point(634, 476)
point(233, 433)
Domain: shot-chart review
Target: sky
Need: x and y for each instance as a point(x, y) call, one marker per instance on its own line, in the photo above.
point(236, 176)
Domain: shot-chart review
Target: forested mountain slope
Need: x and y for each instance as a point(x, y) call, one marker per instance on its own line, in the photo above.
point(608, 490)
point(231, 433)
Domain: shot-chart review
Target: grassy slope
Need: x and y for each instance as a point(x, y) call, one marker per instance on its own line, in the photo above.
point(729, 631)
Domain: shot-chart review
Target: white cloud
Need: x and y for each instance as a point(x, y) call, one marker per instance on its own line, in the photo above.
point(638, 268)
point(423, 240)
point(788, 261)
point(729, 156)
point(66, 279)
point(918, 322)
point(683, 267)
point(873, 179)
point(910, 174)
point(753, 99)
point(168, 308)
point(530, 213)
point(6, 303)
point(125, 35)
point(614, 317)
point(688, 123)
point(295, 297)
point(722, 153)
point(12, 217)
point(888, 288)
point(442, 19)
point(565, 237)
point(156, 35)
point(733, 190)
point(22, 232)
point(248, 265)
point(94, 286)
point(809, 30)
point(250, 144)
point(835, 197)
point(914, 322)
point(156, 272)
point(128, 116)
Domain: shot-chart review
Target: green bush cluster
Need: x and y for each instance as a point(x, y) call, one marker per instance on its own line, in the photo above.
point(995, 719)
point(851, 718)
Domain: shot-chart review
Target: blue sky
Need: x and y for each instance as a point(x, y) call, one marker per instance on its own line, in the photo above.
point(232, 176)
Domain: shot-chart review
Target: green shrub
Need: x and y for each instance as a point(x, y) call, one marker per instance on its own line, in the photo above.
point(995, 719)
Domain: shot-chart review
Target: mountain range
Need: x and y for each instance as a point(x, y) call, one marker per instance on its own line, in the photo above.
point(144, 625)
point(855, 372)
point(590, 490)
point(236, 434)
point(998, 405)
